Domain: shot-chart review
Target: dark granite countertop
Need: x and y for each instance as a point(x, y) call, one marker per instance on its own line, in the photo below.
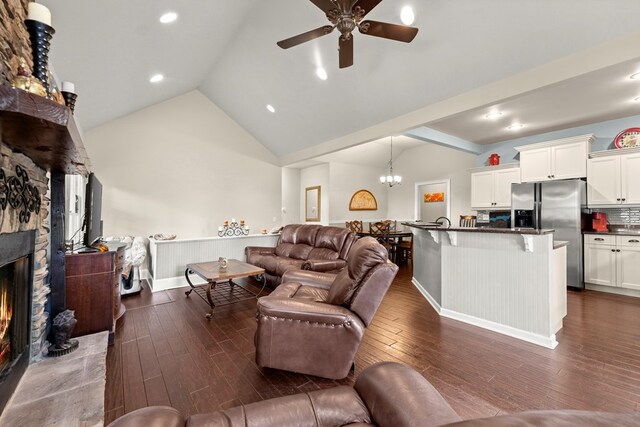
point(557, 244)
point(617, 232)
point(480, 229)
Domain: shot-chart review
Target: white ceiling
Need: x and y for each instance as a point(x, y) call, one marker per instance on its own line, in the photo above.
point(227, 49)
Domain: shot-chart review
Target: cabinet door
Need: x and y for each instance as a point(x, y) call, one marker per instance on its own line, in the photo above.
point(569, 161)
point(502, 180)
point(630, 178)
point(628, 268)
point(535, 165)
point(603, 181)
point(482, 190)
point(600, 265)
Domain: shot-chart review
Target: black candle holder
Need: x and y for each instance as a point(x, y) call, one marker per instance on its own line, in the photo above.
point(40, 35)
point(70, 99)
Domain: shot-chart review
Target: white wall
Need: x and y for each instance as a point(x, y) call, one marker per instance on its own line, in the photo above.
point(428, 163)
point(345, 180)
point(310, 177)
point(290, 196)
point(182, 167)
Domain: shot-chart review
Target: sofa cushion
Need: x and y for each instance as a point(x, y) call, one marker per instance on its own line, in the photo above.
point(300, 251)
point(323, 253)
point(365, 254)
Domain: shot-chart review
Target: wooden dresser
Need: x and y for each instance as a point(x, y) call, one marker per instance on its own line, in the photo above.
point(92, 288)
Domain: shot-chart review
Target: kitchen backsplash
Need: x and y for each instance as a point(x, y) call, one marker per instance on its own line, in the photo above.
point(622, 215)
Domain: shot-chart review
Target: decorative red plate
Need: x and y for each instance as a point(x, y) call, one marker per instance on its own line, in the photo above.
point(628, 138)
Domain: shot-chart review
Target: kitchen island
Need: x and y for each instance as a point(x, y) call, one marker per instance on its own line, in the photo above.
point(511, 281)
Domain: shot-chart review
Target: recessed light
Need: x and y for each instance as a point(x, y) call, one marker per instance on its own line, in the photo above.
point(515, 126)
point(168, 17)
point(321, 73)
point(156, 78)
point(493, 115)
point(637, 99)
point(407, 15)
point(270, 108)
point(635, 76)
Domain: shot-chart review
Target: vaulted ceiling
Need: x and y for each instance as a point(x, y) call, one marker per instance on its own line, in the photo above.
point(227, 49)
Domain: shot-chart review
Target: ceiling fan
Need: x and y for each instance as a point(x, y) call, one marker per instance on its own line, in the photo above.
point(346, 16)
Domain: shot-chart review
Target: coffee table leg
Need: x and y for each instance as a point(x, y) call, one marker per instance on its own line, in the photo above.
point(210, 287)
point(186, 276)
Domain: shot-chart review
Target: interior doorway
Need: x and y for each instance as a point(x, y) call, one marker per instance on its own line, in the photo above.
point(432, 200)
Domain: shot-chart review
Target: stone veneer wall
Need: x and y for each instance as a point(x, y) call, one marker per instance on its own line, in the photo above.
point(14, 44)
point(14, 39)
point(10, 223)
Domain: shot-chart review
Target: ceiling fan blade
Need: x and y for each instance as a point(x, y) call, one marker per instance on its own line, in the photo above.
point(305, 37)
point(366, 5)
point(345, 51)
point(325, 5)
point(401, 33)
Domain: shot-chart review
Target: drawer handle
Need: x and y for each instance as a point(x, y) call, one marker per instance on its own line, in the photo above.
point(634, 241)
point(599, 239)
point(617, 250)
point(613, 250)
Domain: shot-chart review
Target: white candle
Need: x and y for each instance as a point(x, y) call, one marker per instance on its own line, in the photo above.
point(68, 87)
point(39, 12)
point(220, 228)
point(233, 220)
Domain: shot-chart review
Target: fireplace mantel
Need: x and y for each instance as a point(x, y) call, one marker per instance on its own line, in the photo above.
point(42, 130)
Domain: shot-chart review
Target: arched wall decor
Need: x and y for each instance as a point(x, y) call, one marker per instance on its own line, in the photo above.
point(363, 200)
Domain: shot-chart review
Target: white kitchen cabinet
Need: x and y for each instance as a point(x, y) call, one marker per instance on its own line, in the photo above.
point(559, 159)
point(613, 178)
point(614, 261)
point(491, 186)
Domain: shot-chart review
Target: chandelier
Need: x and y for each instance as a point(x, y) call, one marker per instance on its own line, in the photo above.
point(391, 179)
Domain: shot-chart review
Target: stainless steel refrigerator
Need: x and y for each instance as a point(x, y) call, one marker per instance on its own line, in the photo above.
point(557, 205)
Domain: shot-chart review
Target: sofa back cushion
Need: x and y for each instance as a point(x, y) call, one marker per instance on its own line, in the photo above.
point(365, 255)
point(297, 240)
point(329, 243)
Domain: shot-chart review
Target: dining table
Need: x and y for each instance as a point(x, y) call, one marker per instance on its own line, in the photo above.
point(394, 238)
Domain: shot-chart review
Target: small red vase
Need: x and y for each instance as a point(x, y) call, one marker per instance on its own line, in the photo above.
point(494, 160)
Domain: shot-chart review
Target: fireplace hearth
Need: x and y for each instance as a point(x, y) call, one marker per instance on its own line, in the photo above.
point(16, 290)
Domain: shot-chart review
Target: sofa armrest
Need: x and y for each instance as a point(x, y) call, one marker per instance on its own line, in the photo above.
point(324, 265)
point(258, 250)
point(309, 311)
point(396, 395)
point(151, 416)
point(309, 278)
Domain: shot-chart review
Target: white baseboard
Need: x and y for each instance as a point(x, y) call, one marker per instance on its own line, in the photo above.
point(426, 295)
point(169, 283)
point(548, 342)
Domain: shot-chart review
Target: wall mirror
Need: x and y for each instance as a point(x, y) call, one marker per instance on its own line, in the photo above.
point(312, 203)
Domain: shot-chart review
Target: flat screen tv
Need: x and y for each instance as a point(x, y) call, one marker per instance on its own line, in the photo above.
point(93, 211)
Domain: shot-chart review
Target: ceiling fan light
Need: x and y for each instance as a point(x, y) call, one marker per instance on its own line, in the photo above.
point(407, 15)
point(635, 76)
point(321, 73)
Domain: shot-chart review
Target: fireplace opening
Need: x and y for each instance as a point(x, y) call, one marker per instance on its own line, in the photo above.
point(16, 285)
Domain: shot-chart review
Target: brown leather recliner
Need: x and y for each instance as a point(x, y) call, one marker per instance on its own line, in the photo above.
point(303, 247)
point(313, 323)
point(387, 394)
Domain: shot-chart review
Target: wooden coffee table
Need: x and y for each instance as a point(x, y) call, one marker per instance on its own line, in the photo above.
point(220, 288)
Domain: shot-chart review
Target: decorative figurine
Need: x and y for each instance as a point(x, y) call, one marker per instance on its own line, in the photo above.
point(223, 263)
point(25, 81)
point(63, 325)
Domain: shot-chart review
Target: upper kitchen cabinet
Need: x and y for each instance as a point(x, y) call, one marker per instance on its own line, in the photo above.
point(613, 178)
point(558, 159)
point(491, 186)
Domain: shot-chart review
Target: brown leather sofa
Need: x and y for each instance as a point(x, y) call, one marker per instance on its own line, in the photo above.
point(303, 247)
point(387, 394)
point(313, 323)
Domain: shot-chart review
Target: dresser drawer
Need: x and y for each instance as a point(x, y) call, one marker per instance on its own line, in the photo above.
point(600, 239)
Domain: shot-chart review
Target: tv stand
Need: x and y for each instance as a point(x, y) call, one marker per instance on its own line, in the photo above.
point(92, 281)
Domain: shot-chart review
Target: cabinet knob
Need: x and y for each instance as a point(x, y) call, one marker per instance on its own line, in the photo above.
point(624, 200)
point(618, 199)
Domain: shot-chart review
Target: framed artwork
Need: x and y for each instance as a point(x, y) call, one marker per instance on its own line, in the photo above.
point(363, 200)
point(433, 197)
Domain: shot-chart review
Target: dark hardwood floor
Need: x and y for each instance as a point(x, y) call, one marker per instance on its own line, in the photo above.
point(167, 353)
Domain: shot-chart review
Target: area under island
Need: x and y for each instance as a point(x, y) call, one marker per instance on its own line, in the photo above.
point(511, 281)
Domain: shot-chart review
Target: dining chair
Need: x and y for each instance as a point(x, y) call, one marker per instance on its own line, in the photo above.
point(467, 220)
point(405, 249)
point(355, 226)
point(393, 225)
point(376, 228)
